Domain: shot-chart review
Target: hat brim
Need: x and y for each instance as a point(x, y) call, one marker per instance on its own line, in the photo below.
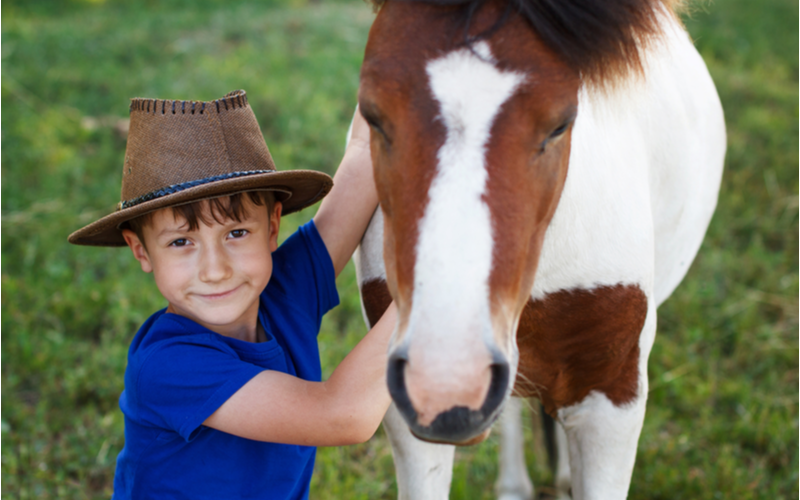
point(298, 189)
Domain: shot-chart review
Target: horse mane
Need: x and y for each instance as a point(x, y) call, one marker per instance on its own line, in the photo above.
point(604, 40)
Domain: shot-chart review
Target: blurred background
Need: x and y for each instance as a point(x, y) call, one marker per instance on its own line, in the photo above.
point(722, 417)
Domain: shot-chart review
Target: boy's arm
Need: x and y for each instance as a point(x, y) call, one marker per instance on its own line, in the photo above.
point(348, 407)
point(345, 409)
point(345, 212)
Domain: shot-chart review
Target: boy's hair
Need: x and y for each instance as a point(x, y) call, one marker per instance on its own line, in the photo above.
point(196, 212)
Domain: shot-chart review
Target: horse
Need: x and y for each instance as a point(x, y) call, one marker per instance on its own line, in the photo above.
point(546, 171)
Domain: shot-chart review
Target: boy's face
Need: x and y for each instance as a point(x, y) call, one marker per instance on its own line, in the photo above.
point(213, 274)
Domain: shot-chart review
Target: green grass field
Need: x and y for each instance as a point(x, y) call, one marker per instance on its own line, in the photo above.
point(723, 409)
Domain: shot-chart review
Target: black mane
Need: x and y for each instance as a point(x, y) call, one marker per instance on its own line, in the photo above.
point(601, 39)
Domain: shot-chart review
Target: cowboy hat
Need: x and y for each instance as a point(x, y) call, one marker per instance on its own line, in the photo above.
point(180, 152)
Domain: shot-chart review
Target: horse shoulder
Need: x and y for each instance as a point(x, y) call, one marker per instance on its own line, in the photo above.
point(686, 129)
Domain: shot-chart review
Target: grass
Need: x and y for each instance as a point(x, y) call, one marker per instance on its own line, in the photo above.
point(723, 409)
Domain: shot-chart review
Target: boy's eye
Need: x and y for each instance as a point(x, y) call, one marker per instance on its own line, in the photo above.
point(238, 233)
point(180, 242)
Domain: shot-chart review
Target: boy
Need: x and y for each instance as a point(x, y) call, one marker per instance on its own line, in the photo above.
point(223, 397)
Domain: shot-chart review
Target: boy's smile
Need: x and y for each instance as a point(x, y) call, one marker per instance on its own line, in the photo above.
point(214, 274)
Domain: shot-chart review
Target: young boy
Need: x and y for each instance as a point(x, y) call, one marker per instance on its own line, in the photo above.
point(223, 394)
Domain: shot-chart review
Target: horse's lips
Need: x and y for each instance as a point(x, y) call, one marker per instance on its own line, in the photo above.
point(469, 442)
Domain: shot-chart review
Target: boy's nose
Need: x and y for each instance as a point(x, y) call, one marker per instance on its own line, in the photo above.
point(214, 265)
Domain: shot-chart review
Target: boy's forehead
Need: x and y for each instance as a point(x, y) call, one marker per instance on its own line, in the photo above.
point(207, 211)
point(167, 217)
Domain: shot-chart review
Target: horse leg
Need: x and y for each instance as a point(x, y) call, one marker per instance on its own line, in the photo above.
point(602, 445)
point(513, 482)
point(562, 473)
point(557, 454)
point(424, 470)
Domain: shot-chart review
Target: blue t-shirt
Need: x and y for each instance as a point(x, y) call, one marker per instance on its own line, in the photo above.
point(179, 373)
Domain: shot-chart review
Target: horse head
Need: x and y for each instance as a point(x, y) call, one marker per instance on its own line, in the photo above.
point(471, 114)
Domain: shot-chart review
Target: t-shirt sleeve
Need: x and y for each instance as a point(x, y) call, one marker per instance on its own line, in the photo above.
point(303, 271)
point(182, 381)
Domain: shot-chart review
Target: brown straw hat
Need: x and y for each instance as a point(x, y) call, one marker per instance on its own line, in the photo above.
point(180, 152)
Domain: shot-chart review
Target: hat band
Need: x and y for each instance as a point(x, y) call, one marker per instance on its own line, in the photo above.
point(175, 188)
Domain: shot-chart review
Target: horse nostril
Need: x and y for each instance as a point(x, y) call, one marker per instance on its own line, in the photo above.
point(497, 389)
point(394, 372)
point(396, 382)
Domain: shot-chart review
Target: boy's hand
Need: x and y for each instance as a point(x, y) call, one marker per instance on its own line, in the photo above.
point(345, 213)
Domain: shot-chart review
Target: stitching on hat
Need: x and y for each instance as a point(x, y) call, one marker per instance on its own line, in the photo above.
point(232, 100)
point(175, 188)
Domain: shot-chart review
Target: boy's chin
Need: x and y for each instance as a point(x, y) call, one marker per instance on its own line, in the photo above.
point(221, 319)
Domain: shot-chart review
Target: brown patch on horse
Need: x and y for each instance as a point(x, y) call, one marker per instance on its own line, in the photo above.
point(576, 341)
point(603, 40)
point(376, 299)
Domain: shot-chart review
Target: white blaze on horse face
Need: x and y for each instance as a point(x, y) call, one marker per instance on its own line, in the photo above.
point(450, 327)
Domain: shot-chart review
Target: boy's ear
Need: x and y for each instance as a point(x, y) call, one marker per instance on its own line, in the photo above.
point(274, 225)
point(138, 249)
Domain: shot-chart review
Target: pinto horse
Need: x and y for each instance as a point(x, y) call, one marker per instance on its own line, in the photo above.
point(546, 170)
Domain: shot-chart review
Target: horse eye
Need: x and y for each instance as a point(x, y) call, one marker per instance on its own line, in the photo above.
point(560, 130)
point(371, 117)
point(553, 135)
point(374, 125)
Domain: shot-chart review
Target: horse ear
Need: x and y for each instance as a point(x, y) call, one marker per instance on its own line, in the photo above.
point(601, 39)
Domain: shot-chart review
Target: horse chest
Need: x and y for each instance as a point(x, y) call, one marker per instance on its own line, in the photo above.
point(574, 341)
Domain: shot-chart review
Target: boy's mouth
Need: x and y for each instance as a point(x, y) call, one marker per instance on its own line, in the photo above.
point(220, 295)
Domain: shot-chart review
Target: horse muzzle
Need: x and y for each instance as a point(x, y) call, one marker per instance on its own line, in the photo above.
point(458, 407)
